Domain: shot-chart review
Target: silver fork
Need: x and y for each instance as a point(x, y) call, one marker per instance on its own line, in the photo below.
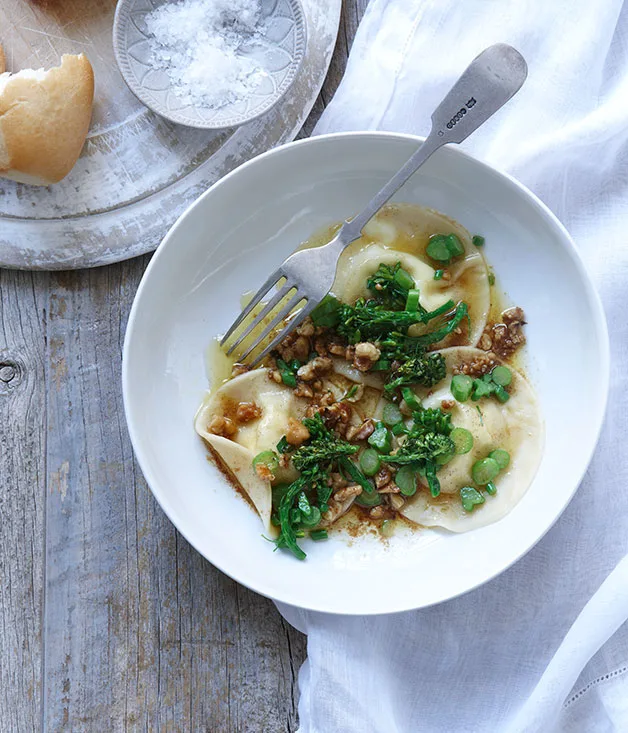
point(489, 82)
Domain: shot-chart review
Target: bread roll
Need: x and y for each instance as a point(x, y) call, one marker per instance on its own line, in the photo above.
point(44, 118)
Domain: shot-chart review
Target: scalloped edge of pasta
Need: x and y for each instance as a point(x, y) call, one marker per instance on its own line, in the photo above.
point(516, 425)
point(399, 233)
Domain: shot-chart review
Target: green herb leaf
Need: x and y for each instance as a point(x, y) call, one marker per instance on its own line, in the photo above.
point(470, 498)
point(315, 460)
point(283, 446)
point(424, 370)
point(288, 372)
point(390, 285)
point(326, 313)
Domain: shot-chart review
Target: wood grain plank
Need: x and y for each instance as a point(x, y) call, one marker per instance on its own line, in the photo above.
point(108, 618)
point(141, 632)
point(87, 476)
point(22, 470)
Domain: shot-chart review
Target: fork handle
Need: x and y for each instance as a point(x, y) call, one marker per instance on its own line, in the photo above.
point(489, 81)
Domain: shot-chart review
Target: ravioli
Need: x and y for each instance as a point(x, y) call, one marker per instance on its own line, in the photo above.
point(278, 403)
point(333, 424)
point(516, 426)
point(400, 233)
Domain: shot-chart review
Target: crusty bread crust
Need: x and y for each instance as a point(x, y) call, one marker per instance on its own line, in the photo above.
point(44, 121)
point(3, 62)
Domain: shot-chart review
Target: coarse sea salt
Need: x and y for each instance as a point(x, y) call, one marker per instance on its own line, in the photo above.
point(198, 44)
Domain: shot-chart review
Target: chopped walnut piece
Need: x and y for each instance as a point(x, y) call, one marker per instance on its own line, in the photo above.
point(383, 477)
point(360, 432)
point(447, 404)
point(301, 348)
point(390, 488)
point(303, 390)
point(275, 376)
point(486, 342)
point(337, 416)
point(477, 367)
point(396, 501)
point(286, 348)
point(336, 481)
point(238, 369)
point(306, 328)
point(377, 512)
point(336, 349)
point(509, 336)
point(320, 345)
point(262, 470)
point(340, 503)
point(366, 354)
point(223, 426)
point(514, 315)
point(247, 411)
point(348, 492)
point(503, 339)
point(317, 367)
point(446, 275)
point(297, 433)
point(326, 399)
point(297, 345)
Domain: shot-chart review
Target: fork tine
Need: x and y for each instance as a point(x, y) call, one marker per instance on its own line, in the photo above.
point(281, 293)
point(296, 298)
point(270, 283)
point(294, 322)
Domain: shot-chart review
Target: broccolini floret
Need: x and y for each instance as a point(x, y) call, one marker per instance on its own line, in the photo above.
point(421, 449)
point(368, 320)
point(322, 448)
point(424, 370)
point(431, 419)
point(428, 445)
point(315, 460)
point(390, 286)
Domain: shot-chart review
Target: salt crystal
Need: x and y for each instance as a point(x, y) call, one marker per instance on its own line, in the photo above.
point(198, 44)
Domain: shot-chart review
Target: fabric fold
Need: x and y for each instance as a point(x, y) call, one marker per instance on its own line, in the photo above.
point(544, 647)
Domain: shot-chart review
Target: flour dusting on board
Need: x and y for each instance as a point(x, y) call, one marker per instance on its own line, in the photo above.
point(200, 44)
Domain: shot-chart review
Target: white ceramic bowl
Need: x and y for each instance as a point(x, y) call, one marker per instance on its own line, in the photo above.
point(280, 48)
point(227, 243)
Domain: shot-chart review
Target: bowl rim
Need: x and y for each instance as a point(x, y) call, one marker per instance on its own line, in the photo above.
point(598, 319)
point(122, 62)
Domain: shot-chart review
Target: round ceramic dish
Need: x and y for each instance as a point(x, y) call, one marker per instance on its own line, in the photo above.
point(238, 232)
point(282, 47)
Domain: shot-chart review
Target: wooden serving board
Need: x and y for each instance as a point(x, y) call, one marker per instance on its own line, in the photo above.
point(137, 172)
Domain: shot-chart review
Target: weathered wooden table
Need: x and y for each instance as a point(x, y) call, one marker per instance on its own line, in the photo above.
point(109, 620)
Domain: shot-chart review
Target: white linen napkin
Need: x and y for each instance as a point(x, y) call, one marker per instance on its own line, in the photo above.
point(544, 647)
